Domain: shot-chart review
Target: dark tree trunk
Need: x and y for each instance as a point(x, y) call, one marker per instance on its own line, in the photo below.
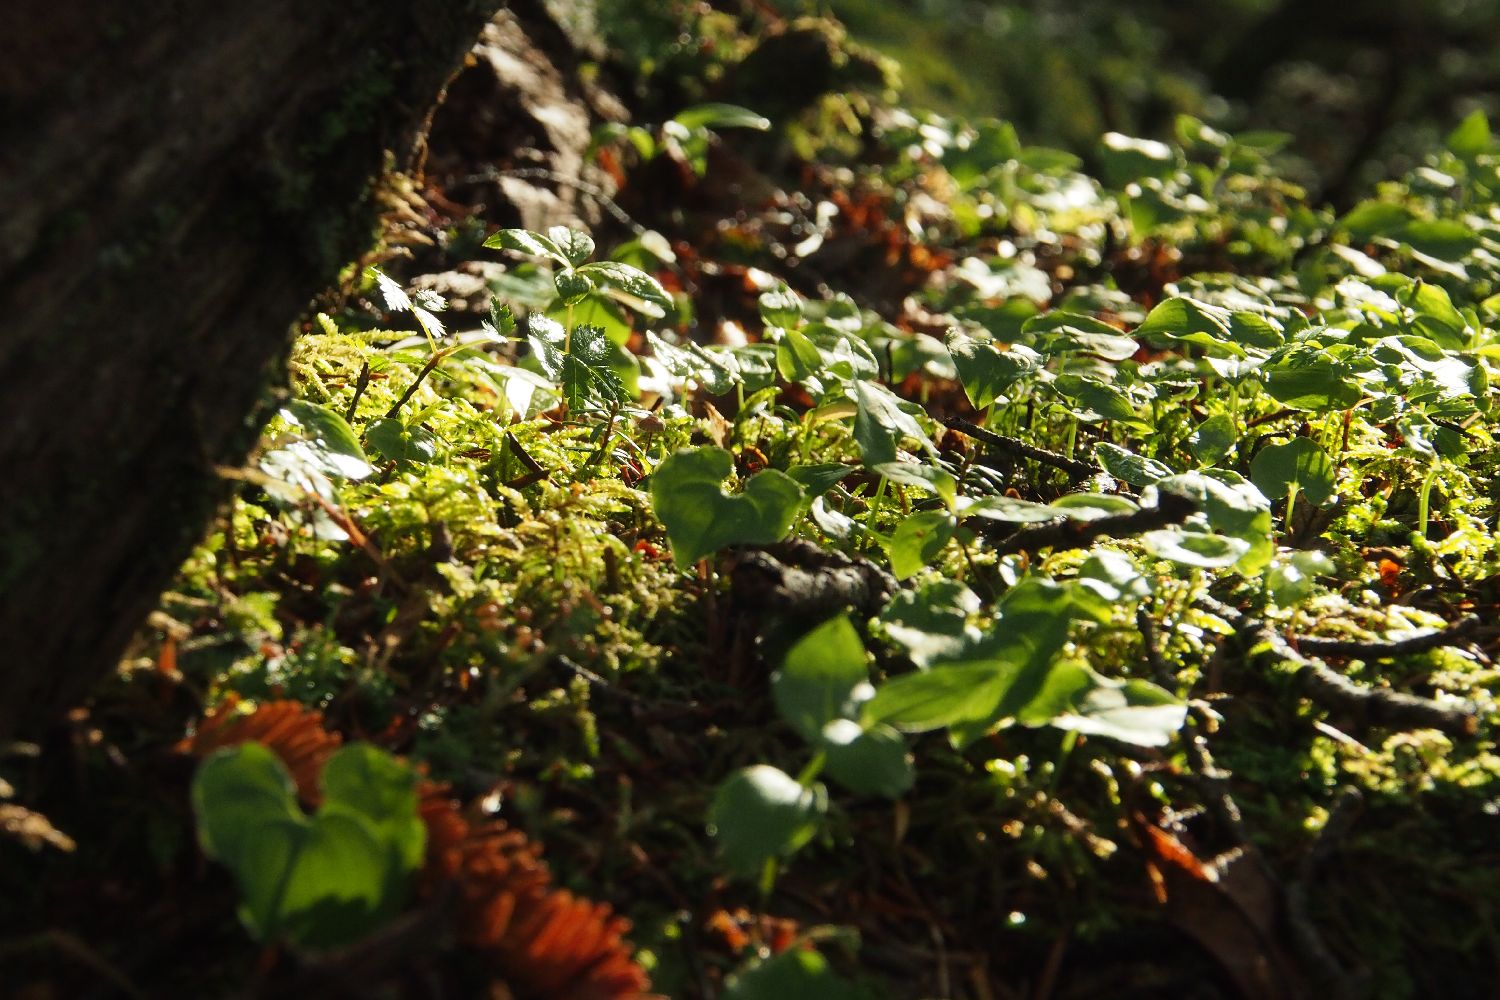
point(177, 181)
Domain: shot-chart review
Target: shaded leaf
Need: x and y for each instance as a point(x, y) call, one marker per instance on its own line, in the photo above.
point(760, 813)
point(818, 679)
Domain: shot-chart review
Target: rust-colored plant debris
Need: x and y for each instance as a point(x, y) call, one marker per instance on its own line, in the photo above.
point(290, 730)
point(545, 942)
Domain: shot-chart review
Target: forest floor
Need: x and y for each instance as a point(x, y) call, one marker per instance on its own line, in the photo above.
point(912, 568)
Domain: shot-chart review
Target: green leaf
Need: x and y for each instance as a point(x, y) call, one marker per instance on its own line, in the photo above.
point(1371, 219)
point(797, 358)
point(547, 337)
point(1472, 136)
point(394, 441)
point(760, 813)
point(572, 286)
point(870, 761)
point(820, 676)
point(942, 696)
point(1098, 400)
point(234, 791)
point(717, 373)
point(1130, 467)
point(576, 246)
point(1077, 699)
point(781, 306)
point(587, 376)
point(880, 423)
point(630, 280)
point(1306, 378)
point(1292, 578)
point(931, 622)
point(1444, 239)
point(319, 881)
point(365, 780)
point(1299, 462)
point(1192, 321)
point(918, 539)
point(1213, 438)
point(1091, 506)
point(795, 974)
point(1059, 331)
point(835, 524)
point(524, 241)
point(1436, 317)
point(925, 477)
point(1114, 576)
point(717, 116)
point(1126, 159)
point(688, 497)
point(986, 371)
point(816, 480)
point(335, 442)
point(1233, 507)
point(502, 322)
point(1195, 548)
point(1010, 509)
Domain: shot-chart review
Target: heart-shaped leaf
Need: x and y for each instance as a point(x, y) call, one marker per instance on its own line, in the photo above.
point(986, 371)
point(321, 880)
point(688, 497)
point(1300, 463)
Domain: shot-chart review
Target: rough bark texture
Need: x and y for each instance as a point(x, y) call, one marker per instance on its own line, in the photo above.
point(178, 180)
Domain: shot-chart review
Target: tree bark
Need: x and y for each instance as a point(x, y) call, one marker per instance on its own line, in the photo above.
point(178, 180)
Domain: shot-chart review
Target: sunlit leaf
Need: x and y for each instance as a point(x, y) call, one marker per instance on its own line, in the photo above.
point(688, 497)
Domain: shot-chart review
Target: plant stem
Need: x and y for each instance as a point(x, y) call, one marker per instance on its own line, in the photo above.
point(1424, 501)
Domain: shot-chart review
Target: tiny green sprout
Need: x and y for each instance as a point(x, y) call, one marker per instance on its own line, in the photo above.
point(577, 356)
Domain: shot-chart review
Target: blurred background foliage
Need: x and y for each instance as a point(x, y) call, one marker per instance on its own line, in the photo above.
point(1363, 87)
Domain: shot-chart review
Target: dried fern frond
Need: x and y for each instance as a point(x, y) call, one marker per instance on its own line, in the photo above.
point(545, 942)
point(561, 946)
point(288, 729)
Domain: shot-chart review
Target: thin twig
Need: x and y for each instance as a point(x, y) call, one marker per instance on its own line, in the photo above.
point(1334, 691)
point(359, 390)
point(432, 362)
point(1171, 508)
point(76, 950)
point(596, 680)
point(1378, 649)
point(1020, 449)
